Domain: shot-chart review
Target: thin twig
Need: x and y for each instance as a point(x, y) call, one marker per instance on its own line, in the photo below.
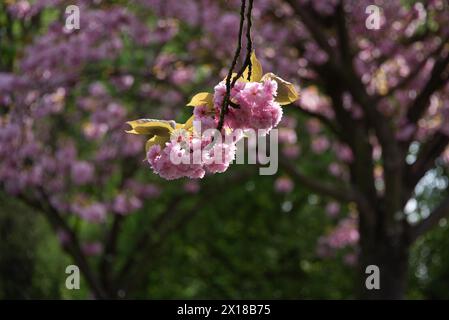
point(249, 46)
point(249, 42)
point(225, 104)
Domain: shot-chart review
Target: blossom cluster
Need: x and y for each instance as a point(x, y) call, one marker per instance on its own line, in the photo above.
point(190, 158)
point(197, 147)
point(345, 235)
point(61, 129)
point(257, 108)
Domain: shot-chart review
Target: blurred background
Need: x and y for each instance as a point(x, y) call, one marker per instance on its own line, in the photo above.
point(364, 161)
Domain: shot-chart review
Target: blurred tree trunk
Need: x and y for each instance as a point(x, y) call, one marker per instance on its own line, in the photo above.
point(385, 234)
point(389, 251)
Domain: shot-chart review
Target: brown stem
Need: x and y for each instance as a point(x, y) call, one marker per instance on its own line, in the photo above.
point(225, 104)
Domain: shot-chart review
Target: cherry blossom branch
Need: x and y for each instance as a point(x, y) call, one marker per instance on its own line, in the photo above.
point(143, 250)
point(311, 25)
point(355, 134)
point(144, 239)
point(429, 152)
point(129, 169)
point(110, 252)
point(431, 221)
point(340, 193)
point(343, 36)
point(249, 42)
point(435, 82)
point(149, 245)
point(323, 119)
point(344, 194)
point(72, 247)
point(416, 70)
point(347, 79)
point(385, 134)
point(347, 75)
point(225, 104)
point(153, 245)
point(249, 47)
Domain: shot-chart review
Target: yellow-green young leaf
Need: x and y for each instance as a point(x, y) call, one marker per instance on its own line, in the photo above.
point(156, 140)
point(201, 99)
point(189, 124)
point(152, 127)
point(234, 74)
point(256, 69)
point(286, 91)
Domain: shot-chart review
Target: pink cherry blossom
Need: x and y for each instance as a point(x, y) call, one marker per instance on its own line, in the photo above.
point(284, 185)
point(257, 108)
point(191, 186)
point(82, 172)
point(333, 209)
point(92, 248)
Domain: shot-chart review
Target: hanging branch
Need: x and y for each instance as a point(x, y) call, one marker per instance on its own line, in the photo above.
point(249, 41)
point(229, 85)
point(249, 47)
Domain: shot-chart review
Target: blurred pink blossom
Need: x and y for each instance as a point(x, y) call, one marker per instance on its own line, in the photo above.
point(82, 172)
point(94, 212)
point(124, 204)
point(63, 237)
point(350, 259)
point(344, 152)
point(284, 185)
point(320, 144)
point(333, 209)
point(92, 248)
point(191, 186)
point(291, 151)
